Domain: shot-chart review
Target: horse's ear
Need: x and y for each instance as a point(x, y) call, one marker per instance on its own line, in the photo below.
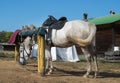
point(50, 16)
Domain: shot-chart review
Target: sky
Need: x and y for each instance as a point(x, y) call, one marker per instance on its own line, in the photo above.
point(17, 13)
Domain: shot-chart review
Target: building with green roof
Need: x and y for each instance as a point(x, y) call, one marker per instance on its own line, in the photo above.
point(108, 32)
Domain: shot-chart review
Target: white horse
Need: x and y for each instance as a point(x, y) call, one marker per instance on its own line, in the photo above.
point(25, 50)
point(74, 33)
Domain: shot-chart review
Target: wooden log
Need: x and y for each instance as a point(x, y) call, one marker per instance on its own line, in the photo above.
point(41, 55)
point(16, 52)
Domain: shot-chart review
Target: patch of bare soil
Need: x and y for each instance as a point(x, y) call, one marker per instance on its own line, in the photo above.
point(65, 72)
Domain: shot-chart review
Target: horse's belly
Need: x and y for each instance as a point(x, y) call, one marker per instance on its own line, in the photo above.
point(61, 42)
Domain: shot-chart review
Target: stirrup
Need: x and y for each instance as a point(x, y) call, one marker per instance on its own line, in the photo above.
point(49, 41)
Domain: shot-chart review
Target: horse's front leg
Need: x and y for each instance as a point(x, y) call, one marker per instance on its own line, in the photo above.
point(50, 66)
point(46, 65)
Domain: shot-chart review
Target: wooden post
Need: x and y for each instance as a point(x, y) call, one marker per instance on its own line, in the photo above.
point(16, 52)
point(41, 55)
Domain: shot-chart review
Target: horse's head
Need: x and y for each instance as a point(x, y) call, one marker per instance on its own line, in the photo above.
point(25, 50)
point(49, 21)
point(28, 41)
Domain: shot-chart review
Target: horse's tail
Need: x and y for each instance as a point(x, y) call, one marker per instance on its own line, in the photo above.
point(89, 39)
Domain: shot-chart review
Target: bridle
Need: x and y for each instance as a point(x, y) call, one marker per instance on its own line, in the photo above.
point(25, 51)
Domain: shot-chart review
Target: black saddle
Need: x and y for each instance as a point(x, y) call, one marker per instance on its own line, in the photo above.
point(53, 23)
point(59, 24)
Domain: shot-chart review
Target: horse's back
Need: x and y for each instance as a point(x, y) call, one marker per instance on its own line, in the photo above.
point(76, 29)
point(80, 23)
point(79, 26)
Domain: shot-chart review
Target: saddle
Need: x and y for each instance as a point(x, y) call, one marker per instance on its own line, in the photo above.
point(57, 25)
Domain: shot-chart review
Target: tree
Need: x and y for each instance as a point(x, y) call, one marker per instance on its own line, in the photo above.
point(4, 36)
point(7, 36)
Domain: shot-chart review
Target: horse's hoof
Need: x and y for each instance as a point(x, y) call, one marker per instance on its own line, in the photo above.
point(43, 74)
point(96, 75)
point(86, 76)
point(49, 73)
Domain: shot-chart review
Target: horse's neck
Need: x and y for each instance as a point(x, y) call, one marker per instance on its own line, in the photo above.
point(26, 44)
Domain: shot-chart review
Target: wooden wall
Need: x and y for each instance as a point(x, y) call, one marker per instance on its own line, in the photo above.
point(9, 47)
point(117, 35)
point(104, 38)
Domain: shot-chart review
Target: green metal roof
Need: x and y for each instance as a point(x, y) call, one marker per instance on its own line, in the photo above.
point(106, 19)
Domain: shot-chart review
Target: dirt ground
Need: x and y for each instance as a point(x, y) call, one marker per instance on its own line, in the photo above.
point(65, 72)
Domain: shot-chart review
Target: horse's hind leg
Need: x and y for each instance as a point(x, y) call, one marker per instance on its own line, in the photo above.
point(94, 57)
point(96, 65)
point(87, 54)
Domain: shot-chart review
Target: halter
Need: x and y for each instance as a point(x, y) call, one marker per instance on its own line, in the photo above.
point(28, 54)
point(26, 51)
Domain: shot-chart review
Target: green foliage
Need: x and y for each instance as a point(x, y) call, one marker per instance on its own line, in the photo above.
point(5, 36)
